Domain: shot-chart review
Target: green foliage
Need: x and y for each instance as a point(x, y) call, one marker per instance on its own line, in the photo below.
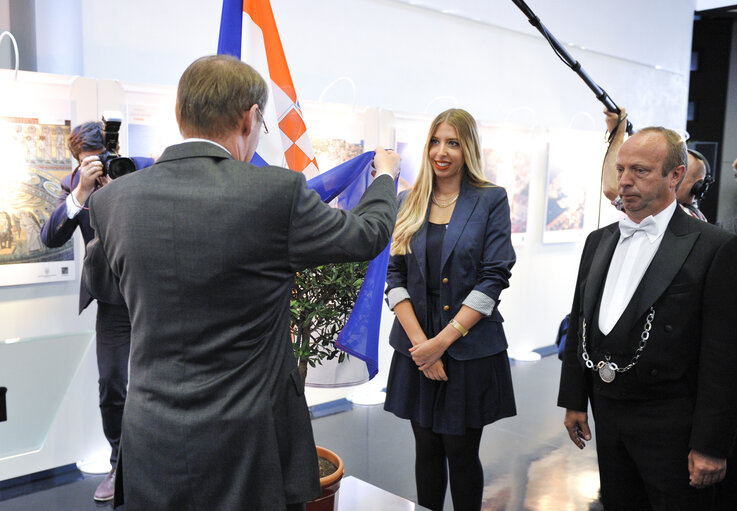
point(322, 299)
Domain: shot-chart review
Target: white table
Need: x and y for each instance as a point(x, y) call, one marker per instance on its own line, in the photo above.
point(357, 495)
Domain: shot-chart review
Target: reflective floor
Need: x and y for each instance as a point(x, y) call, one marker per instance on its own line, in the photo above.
point(529, 462)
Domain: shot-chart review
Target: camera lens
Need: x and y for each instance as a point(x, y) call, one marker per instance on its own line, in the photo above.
point(120, 166)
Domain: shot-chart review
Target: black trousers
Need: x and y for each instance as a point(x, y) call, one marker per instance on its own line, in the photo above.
point(642, 448)
point(113, 349)
point(726, 491)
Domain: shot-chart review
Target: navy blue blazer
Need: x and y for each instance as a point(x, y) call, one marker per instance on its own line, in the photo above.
point(59, 228)
point(477, 255)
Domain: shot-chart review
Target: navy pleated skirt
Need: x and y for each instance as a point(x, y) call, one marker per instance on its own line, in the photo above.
point(478, 391)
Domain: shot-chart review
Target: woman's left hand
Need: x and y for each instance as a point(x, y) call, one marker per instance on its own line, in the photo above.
point(429, 352)
point(436, 372)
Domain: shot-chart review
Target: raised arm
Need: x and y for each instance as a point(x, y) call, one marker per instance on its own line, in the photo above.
point(609, 167)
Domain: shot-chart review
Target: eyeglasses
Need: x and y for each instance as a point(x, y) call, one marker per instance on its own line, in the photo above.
point(260, 116)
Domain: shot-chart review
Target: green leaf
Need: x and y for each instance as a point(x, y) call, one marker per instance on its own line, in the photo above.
point(322, 300)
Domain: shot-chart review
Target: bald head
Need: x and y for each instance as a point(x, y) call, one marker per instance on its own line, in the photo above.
point(695, 171)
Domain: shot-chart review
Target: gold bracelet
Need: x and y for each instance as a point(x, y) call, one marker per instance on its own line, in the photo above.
point(455, 324)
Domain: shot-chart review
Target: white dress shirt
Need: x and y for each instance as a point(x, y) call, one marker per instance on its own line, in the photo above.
point(631, 259)
point(73, 207)
point(195, 139)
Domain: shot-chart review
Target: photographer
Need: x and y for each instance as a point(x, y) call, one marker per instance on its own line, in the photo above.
point(89, 142)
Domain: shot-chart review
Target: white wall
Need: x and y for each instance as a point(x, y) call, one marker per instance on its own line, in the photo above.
point(402, 56)
point(59, 36)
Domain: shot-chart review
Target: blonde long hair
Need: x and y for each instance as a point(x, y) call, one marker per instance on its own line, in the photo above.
point(412, 214)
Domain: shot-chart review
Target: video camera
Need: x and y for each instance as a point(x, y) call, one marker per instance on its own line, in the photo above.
point(113, 164)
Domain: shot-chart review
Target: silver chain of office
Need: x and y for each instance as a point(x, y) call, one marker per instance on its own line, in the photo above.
point(608, 370)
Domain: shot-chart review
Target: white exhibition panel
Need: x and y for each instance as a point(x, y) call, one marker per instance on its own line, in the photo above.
point(44, 319)
point(45, 309)
point(38, 373)
point(52, 400)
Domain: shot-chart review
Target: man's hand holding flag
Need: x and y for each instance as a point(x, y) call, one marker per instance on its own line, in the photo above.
point(248, 29)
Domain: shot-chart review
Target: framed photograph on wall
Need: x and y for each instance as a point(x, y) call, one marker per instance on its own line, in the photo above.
point(151, 120)
point(410, 137)
point(35, 160)
point(507, 155)
point(339, 132)
point(574, 170)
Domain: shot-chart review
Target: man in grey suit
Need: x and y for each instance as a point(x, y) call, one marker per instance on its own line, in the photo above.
point(203, 248)
point(651, 342)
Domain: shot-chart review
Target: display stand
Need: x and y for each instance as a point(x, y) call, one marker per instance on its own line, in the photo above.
point(41, 376)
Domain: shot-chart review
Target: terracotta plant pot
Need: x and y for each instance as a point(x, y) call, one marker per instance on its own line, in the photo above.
point(329, 484)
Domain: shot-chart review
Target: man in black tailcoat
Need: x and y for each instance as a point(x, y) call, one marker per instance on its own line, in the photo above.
point(652, 342)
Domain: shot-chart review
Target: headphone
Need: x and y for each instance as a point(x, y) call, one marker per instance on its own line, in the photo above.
point(701, 186)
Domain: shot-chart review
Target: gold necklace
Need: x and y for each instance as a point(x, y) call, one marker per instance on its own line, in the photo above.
point(445, 204)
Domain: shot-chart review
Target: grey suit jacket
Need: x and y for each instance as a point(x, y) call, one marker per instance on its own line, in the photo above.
point(692, 350)
point(203, 249)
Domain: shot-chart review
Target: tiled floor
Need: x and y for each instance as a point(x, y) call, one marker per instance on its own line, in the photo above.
point(529, 462)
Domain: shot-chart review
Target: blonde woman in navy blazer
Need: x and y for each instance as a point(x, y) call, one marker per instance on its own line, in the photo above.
point(451, 258)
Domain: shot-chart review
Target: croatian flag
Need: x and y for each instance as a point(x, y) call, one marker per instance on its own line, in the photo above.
point(360, 335)
point(248, 31)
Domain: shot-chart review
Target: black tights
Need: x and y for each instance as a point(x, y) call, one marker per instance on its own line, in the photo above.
point(431, 472)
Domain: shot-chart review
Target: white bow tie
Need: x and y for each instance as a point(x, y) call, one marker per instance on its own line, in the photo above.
point(627, 227)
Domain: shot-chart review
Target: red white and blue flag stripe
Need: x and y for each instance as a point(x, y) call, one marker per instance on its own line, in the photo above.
point(248, 31)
